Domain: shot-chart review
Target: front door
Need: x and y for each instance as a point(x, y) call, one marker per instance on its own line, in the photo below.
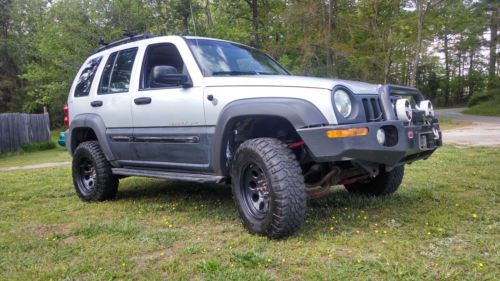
point(169, 121)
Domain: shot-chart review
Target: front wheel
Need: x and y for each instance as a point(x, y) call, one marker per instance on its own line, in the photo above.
point(383, 184)
point(268, 188)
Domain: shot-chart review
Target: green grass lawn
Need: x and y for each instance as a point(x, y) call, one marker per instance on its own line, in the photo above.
point(443, 224)
point(57, 154)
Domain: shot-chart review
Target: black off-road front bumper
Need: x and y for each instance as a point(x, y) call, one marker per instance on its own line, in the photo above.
point(411, 143)
point(405, 142)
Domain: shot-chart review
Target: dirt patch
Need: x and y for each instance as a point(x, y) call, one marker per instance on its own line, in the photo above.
point(484, 131)
point(36, 166)
point(478, 134)
point(49, 230)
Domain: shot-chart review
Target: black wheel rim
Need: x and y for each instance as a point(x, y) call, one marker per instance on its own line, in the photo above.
point(87, 178)
point(255, 190)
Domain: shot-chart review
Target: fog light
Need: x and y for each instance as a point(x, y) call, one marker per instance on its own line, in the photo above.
point(381, 136)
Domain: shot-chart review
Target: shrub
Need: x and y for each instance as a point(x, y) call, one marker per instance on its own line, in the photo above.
point(38, 146)
point(481, 97)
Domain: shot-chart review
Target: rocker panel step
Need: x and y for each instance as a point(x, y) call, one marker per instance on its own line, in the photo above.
point(167, 175)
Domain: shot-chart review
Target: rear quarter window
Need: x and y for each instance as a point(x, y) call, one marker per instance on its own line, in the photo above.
point(84, 83)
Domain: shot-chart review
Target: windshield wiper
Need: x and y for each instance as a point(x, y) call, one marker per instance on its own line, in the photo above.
point(239, 72)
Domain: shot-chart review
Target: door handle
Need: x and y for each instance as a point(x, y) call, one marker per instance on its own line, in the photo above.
point(210, 97)
point(143, 100)
point(96, 103)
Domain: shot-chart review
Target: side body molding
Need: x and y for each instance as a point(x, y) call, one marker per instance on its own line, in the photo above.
point(94, 122)
point(300, 113)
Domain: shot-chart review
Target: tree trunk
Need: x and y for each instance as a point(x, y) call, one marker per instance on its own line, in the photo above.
point(255, 21)
point(208, 14)
point(493, 45)
point(471, 70)
point(389, 44)
point(447, 70)
point(328, 31)
point(421, 11)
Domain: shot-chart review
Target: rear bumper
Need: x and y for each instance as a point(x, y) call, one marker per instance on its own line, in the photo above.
point(366, 148)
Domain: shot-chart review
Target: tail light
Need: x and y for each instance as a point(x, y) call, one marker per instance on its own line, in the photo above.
point(66, 115)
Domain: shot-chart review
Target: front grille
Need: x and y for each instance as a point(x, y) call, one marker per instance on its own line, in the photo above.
point(373, 109)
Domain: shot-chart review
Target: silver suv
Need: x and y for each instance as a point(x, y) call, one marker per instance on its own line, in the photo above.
point(209, 110)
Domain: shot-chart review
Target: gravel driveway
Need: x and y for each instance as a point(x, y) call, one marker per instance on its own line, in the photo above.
point(484, 131)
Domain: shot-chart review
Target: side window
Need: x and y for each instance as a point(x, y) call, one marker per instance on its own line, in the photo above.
point(115, 77)
point(161, 58)
point(82, 88)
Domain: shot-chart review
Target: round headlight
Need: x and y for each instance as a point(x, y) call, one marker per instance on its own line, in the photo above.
point(342, 103)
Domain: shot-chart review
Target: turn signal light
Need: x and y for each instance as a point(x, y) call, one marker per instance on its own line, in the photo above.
point(344, 133)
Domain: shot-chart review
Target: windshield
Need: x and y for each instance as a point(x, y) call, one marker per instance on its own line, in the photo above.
point(219, 58)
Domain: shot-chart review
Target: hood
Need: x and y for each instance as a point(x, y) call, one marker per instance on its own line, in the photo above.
point(290, 81)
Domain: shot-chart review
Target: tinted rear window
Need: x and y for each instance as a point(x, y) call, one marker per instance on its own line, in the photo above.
point(85, 80)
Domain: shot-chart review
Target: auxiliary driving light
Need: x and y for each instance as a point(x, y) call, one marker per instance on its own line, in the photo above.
point(381, 136)
point(403, 110)
point(426, 105)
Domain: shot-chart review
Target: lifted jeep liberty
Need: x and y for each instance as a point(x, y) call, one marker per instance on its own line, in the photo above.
point(209, 110)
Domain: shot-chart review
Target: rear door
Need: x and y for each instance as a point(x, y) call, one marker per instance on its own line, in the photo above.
point(169, 120)
point(111, 101)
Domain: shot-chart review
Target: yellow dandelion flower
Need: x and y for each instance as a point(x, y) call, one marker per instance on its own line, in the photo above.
point(385, 231)
point(474, 216)
point(283, 260)
point(268, 260)
point(429, 233)
point(331, 227)
point(481, 264)
point(170, 226)
point(123, 264)
point(365, 217)
point(358, 261)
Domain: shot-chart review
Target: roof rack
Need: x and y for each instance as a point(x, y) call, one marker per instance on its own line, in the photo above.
point(129, 38)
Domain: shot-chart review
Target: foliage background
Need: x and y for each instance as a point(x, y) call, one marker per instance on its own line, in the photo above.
point(444, 47)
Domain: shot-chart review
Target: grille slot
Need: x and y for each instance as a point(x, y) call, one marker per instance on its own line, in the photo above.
point(373, 109)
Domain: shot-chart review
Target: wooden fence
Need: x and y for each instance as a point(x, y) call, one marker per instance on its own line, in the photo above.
point(17, 129)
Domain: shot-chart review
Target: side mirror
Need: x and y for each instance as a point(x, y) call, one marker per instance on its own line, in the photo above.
point(167, 76)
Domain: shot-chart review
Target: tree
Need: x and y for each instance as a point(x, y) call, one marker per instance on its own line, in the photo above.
point(494, 6)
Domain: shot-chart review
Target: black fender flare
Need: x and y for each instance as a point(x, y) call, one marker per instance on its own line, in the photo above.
point(94, 122)
point(300, 113)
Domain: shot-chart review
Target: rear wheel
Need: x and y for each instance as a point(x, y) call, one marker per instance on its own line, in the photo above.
point(268, 188)
point(383, 184)
point(92, 176)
